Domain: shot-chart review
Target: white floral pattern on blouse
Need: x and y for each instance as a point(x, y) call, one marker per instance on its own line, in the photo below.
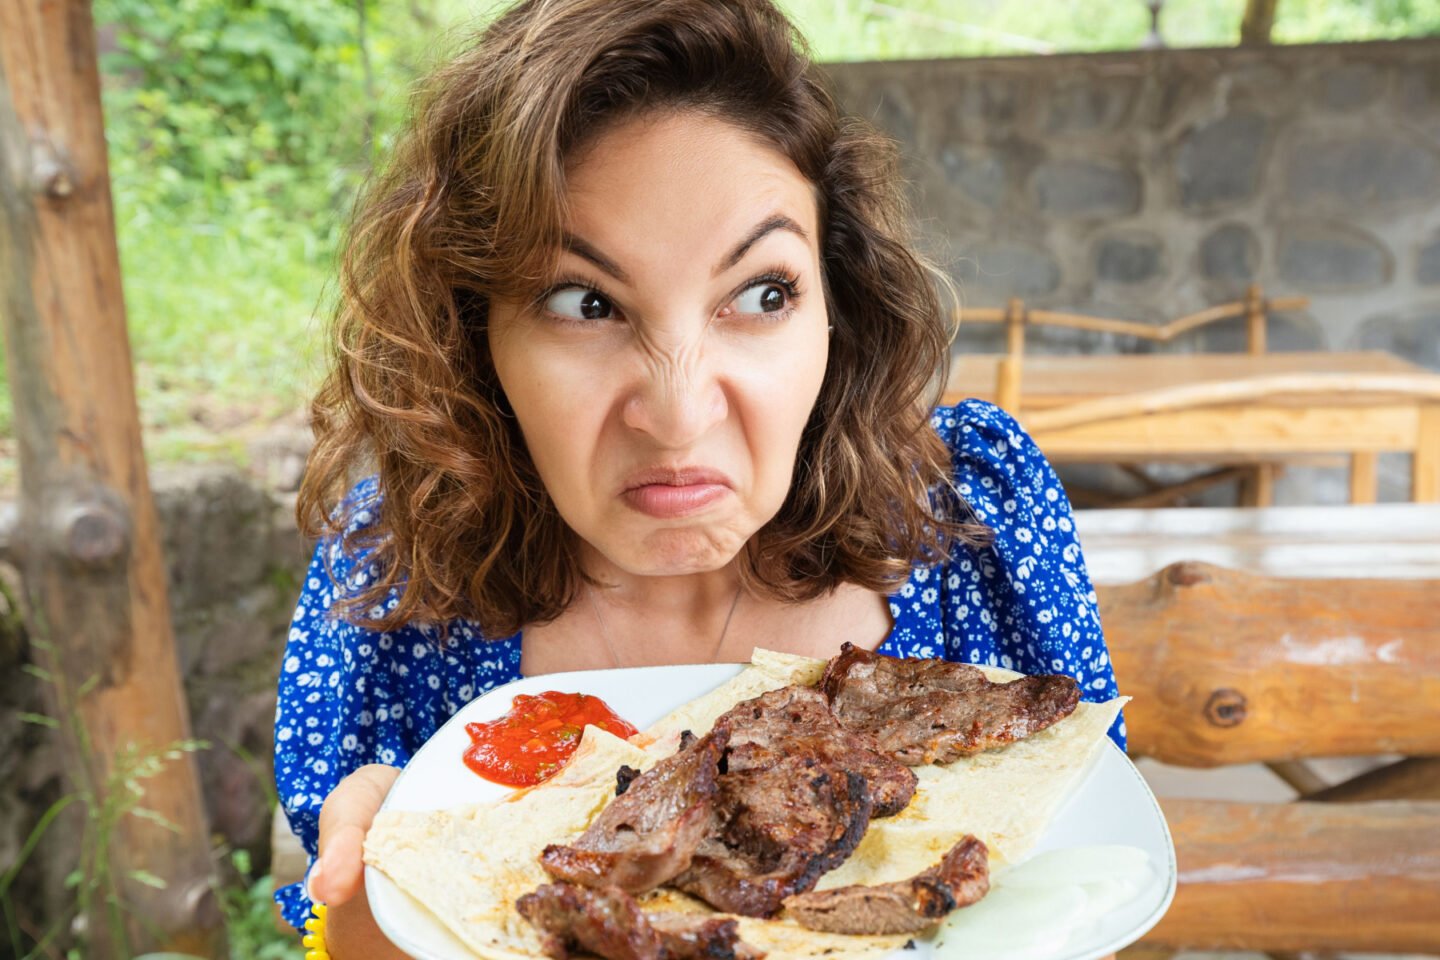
point(349, 696)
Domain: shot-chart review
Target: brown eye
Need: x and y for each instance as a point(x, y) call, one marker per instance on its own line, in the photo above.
point(578, 304)
point(771, 298)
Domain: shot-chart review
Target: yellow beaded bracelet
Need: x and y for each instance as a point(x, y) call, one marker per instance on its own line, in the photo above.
point(314, 939)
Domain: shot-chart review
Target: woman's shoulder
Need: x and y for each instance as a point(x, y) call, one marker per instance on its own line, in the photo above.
point(343, 562)
point(999, 471)
point(980, 430)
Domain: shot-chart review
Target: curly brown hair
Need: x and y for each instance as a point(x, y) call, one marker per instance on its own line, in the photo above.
point(472, 207)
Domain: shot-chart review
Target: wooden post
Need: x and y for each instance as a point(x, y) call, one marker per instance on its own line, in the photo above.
point(1007, 379)
point(1364, 477)
point(1425, 470)
point(87, 539)
point(1255, 320)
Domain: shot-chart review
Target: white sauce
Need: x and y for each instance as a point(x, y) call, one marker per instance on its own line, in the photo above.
point(1036, 908)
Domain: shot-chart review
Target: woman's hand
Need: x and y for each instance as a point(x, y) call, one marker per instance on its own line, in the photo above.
point(337, 877)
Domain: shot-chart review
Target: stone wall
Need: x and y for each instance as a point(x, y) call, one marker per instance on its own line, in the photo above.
point(1149, 185)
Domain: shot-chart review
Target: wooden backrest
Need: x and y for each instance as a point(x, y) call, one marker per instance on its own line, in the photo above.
point(1229, 667)
point(1015, 317)
point(1358, 414)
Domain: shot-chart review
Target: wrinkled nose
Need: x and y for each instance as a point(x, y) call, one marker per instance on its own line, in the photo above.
point(676, 403)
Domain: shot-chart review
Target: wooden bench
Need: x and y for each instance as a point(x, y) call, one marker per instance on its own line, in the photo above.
point(1229, 667)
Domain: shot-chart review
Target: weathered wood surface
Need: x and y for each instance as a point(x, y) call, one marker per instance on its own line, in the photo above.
point(1050, 381)
point(1378, 541)
point(1228, 667)
point(1414, 778)
point(1304, 876)
point(91, 564)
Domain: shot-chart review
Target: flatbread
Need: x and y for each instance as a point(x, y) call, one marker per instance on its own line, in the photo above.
point(468, 865)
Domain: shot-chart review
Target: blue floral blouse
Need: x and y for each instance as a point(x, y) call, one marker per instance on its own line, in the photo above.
point(349, 696)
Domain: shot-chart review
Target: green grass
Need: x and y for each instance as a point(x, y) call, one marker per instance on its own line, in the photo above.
point(222, 305)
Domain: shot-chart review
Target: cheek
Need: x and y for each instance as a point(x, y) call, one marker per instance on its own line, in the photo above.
point(778, 410)
point(553, 411)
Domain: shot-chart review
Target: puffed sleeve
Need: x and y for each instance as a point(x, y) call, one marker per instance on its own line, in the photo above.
point(320, 697)
point(349, 695)
point(1025, 602)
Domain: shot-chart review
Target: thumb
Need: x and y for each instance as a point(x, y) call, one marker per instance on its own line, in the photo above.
point(345, 818)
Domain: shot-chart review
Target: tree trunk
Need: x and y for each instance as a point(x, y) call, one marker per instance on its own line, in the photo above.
point(87, 538)
point(1257, 23)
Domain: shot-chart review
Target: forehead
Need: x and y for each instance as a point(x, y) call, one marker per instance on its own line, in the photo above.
point(681, 183)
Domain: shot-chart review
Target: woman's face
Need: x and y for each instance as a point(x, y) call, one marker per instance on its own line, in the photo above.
point(663, 381)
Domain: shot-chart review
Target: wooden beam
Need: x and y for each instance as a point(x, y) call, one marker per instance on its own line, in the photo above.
point(1304, 876)
point(89, 547)
point(1414, 778)
point(1229, 667)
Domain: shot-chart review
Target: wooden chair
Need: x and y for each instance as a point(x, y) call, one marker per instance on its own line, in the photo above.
point(1258, 416)
point(1263, 419)
point(1016, 317)
point(1228, 667)
point(1256, 480)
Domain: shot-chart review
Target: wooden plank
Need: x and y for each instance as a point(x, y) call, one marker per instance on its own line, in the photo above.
point(1228, 667)
point(1425, 479)
point(1053, 380)
point(1304, 876)
point(1414, 778)
point(1364, 477)
point(1392, 541)
point(1257, 488)
point(93, 574)
point(1239, 431)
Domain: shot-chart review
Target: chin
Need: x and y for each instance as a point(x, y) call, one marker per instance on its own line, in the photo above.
point(676, 552)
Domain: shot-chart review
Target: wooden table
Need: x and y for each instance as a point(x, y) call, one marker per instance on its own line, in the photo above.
point(1383, 541)
point(1049, 381)
point(1236, 409)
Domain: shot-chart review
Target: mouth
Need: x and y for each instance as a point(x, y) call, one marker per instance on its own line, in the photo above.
point(670, 492)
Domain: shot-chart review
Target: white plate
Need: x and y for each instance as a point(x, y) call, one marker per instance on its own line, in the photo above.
point(1111, 805)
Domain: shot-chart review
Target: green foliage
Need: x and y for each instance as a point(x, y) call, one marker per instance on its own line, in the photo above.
point(250, 917)
point(206, 94)
point(96, 884)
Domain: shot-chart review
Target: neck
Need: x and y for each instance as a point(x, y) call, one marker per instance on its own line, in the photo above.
point(664, 598)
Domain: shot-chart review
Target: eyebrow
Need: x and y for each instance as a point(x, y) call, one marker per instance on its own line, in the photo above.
point(776, 221)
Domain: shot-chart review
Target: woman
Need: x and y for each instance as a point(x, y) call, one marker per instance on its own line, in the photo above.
point(637, 353)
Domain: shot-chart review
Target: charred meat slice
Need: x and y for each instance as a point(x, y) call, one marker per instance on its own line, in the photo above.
point(764, 730)
point(933, 711)
point(648, 834)
point(686, 936)
point(605, 922)
point(780, 830)
point(608, 923)
point(908, 906)
point(794, 802)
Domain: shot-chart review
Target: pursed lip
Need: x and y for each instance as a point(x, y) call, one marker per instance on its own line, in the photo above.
point(677, 477)
point(670, 493)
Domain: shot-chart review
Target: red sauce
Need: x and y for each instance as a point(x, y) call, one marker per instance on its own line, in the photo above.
point(534, 740)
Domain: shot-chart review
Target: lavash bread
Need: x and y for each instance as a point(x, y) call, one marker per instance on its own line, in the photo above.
point(468, 865)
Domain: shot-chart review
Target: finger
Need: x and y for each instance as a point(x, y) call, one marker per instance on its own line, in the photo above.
point(344, 820)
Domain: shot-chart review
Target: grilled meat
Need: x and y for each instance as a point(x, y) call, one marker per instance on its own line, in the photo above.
point(933, 711)
point(908, 906)
point(608, 923)
point(648, 834)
